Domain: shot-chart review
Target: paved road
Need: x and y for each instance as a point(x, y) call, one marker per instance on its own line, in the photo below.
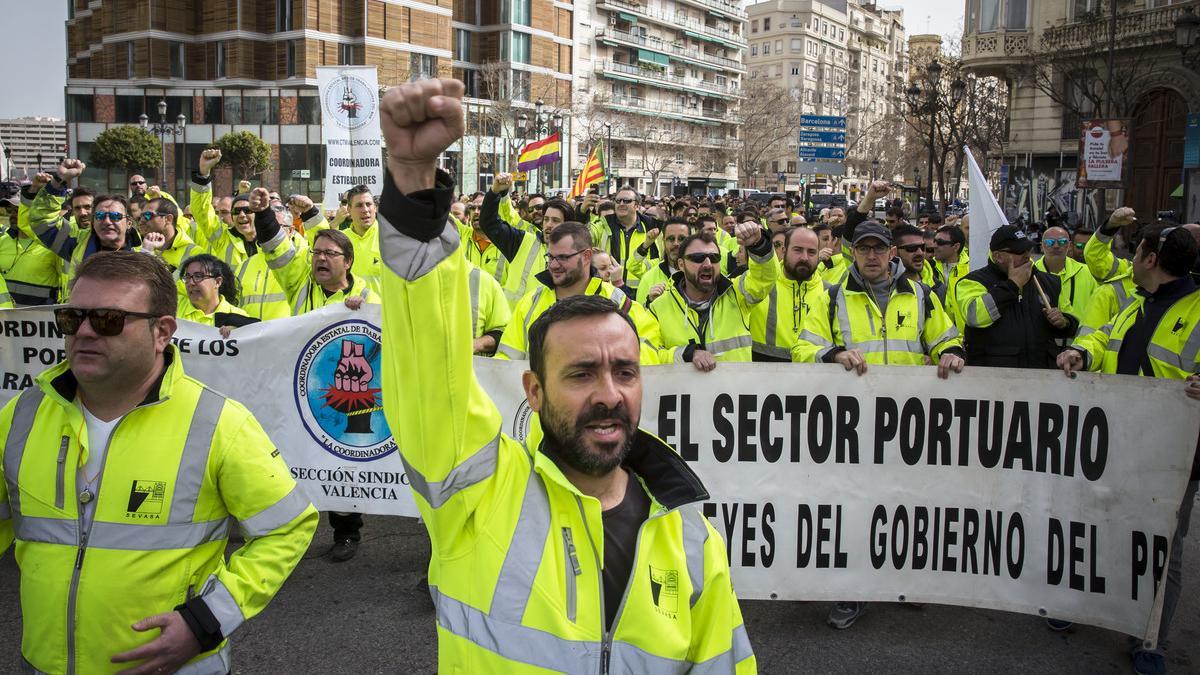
point(363, 617)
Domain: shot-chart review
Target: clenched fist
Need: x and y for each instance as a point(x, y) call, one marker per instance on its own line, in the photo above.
point(260, 199)
point(209, 160)
point(502, 183)
point(419, 120)
point(70, 169)
point(748, 233)
point(1122, 217)
point(299, 204)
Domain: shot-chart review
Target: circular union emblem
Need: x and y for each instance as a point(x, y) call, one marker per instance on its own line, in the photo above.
point(337, 387)
point(350, 102)
point(521, 420)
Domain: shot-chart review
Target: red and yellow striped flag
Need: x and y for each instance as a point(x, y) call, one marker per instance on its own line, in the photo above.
point(593, 172)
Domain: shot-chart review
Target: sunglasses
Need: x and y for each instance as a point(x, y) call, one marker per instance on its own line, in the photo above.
point(137, 182)
point(114, 216)
point(1080, 245)
point(624, 201)
point(911, 248)
point(106, 322)
point(149, 215)
point(942, 242)
point(241, 210)
point(867, 250)
point(698, 258)
point(1057, 242)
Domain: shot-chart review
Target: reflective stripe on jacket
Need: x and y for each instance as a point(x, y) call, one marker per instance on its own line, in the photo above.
point(288, 260)
point(178, 469)
point(1174, 350)
point(775, 324)
point(847, 317)
point(515, 340)
point(516, 559)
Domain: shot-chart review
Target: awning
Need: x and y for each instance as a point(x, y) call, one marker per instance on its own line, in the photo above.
point(1178, 193)
point(627, 16)
point(653, 57)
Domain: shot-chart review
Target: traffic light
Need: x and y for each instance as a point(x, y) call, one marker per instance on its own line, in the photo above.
point(803, 181)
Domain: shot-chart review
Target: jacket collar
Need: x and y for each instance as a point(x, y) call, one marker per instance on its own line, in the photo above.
point(548, 281)
point(668, 479)
point(856, 284)
point(679, 284)
point(60, 382)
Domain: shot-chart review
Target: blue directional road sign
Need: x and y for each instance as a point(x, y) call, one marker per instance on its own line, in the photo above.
point(809, 152)
point(824, 121)
point(838, 137)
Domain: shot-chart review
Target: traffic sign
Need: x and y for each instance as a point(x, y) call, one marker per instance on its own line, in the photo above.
point(811, 152)
point(807, 136)
point(520, 176)
point(824, 121)
point(822, 167)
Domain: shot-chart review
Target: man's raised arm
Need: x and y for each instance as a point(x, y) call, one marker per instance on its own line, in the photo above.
point(445, 425)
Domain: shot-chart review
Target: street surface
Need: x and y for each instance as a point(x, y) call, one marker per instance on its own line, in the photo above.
point(363, 616)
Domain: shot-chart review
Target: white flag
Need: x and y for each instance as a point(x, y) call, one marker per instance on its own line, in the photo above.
point(986, 214)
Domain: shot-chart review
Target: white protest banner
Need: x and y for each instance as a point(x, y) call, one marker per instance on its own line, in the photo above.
point(1006, 489)
point(350, 127)
point(336, 442)
point(1103, 146)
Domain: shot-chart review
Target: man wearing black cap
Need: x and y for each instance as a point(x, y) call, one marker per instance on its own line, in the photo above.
point(1012, 312)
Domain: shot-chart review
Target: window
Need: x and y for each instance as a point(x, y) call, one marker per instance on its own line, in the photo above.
point(778, 70)
point(220, 53)
point(177, 60)
point(283, 15)
point(80, 108)
point(515, 11)
point(1080, 8)
point(422, 67)
point(767, 24)
point(1017, 17)
point(842, 34)
point(775, 166)
point(989, 15)
point(260, 110)
point(754, 26)
point(796, 45)
point(753, 50)
point(290, 57)
point(520, 47)
point(130, 69)
point(350, 55)
point(766, 48)
point(795, 68)
point(810, 71)
point(462, 45)
point(232, 110)
point(779, 46)
point(308, 109)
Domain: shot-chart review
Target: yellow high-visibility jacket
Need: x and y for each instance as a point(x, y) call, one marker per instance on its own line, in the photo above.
point(847, 317)
point(515, 570)
point(178, 468)
point(514, 342)
point(292, 269)
point(489, 307)
point(776, 323)
point(1078, 286)
point(727, 334)
point(189, 312)
point(33, 272)
point(1174, 350)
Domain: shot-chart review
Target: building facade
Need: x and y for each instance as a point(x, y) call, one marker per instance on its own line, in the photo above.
point(1153, 91)
point(234, 65)
point(659, 82)
point(33, 143)
point(836, 57)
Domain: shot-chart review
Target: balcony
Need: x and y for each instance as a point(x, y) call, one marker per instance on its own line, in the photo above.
point(666, 109)
point(726, 9)
point(1134, 29)
point(625, 37)
point(992, 53)
point(641, 73)
point(677, 21)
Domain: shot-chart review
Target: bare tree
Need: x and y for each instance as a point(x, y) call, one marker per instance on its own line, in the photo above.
point(767, 116)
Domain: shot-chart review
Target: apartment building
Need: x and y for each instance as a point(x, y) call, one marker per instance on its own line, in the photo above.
point(233, 65)
point(33, 142)
point(837, 57)
point(659, 81)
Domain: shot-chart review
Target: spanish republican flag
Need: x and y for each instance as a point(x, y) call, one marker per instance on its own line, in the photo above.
point(593, 172)
point(539, 153)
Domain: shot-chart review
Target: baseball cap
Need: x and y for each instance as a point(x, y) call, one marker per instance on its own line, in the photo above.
point(12, 200)
point(1010, 239)
point(872, 230)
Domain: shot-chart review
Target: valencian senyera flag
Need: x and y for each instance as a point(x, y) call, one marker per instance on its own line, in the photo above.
point(593, 172)
point(539, 153)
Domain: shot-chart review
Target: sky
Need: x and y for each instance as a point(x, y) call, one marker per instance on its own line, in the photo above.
point(44, 34)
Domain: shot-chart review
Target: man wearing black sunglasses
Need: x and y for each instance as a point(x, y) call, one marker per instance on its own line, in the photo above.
point(162, 217)
point(704, 316)
point(127, 472)
point(109, 229)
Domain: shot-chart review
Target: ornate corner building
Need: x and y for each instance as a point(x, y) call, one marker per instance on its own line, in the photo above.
point(1054, 57)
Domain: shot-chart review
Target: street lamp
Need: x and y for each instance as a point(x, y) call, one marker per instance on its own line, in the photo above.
point(874, 169)
point(161, 129)
point(917, 180)
point(1187, 35)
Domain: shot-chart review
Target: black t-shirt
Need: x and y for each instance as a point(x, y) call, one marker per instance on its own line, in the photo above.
point(621, 524)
